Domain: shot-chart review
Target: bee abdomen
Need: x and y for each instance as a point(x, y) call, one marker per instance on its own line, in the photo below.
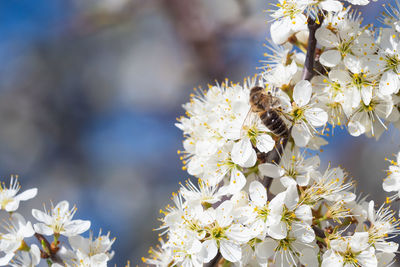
point(274, 123)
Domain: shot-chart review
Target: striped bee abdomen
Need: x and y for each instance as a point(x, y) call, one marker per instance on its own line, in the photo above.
point(274, 122)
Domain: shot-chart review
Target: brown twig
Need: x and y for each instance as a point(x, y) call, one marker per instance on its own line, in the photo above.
point(313, 26)
point(50, 250)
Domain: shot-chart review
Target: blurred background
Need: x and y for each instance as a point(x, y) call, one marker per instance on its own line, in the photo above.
point(90, 91)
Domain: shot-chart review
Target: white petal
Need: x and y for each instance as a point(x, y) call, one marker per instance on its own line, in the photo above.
point(389, 83)
point(371, 211)
point(258, 193)
point(331, 5)
point(278, 230)
point(209, 250)
point(303, 180)
point(340, 76)
point(300, 135)
point(309, 258)
point(35, 254)
point(303, 232)
point(388, 247)
point(270, 170)
point(230, 250)
point(223, 216)
point(353, 63)
point(291, 197)
point(355, 128)
point(243, 153)
point(237, 182)
point(316, 116)
point(239, 233)
point(27, 230)
point(330, 58)
point(265, 143)
point(366, 94)
point(265, 249)
point(326, 38)
point(359, 241)
point(28, 194)
point(302, 93)
point(43, 229)
point(41, 216)
point(76, 227)
point(391, 183)
point(331, 259)
point(384, 259)
point(79, 243)
point(304, 213)
point(287, 181)
point(280, 32)
point(367, 258)
point(12, 206)
point(339, 245)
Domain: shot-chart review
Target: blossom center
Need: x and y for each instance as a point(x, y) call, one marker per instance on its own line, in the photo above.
point(359, 80)
point(350, 258)
point(290, 9)
point(217, 232)
point(297, 113)
point(392, 62)
point(285, 244)
point(263, 212)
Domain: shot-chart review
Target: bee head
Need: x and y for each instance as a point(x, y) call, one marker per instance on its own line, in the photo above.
point(257, 94)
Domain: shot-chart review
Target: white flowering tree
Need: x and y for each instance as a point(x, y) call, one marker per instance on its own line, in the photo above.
point(326, 70)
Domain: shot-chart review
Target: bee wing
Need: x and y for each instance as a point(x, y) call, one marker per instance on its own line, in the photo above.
point(246, 122)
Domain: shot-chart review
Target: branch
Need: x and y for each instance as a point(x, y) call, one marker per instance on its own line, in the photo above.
point(50, 250)
point(313, 26)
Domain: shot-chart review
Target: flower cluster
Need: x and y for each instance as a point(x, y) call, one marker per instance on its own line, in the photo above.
point(259, 200)
point(17, 247)
point(218, 144)
point(305, 224)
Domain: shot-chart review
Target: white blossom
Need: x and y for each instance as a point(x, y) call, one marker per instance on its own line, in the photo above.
point(91, 252)
point(29, 258)
point(59, 221)
point(9, 197)
point(17, 230)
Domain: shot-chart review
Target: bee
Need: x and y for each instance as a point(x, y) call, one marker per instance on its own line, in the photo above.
point(267, 108)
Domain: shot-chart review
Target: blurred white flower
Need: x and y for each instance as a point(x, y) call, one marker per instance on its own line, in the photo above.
point(29, 258)
point(17, 230)
point(392, 182)
point(9, 199)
